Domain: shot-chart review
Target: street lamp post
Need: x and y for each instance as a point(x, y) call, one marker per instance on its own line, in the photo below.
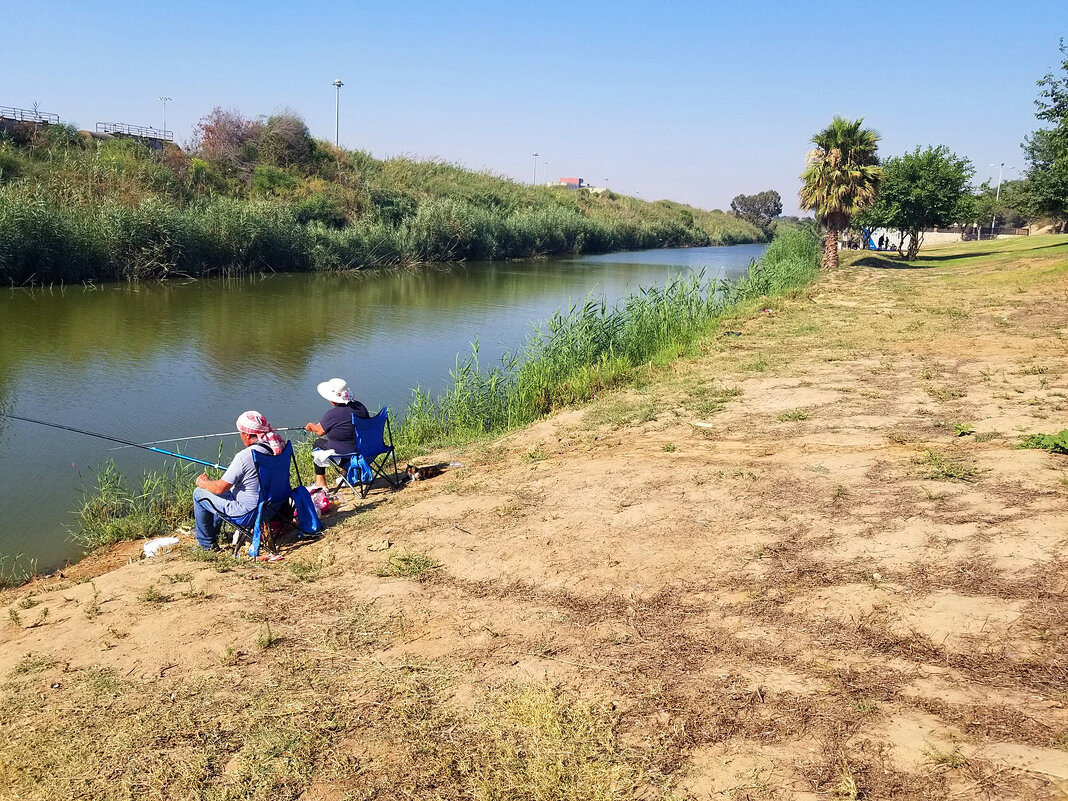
point(165, 99)
point(534, 180)
point(997, 195)
point(337, 112)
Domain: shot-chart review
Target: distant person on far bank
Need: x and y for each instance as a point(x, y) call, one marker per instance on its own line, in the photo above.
point(335, 429)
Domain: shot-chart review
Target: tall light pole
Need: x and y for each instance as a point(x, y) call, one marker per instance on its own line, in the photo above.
point(534, 181)
point(997, 195)
point(165, 99)
point(337, 111)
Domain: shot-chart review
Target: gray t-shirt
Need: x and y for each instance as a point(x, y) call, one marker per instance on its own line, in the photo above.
point(244, 478)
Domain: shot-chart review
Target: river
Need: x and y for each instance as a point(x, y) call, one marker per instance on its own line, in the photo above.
point(154, 361)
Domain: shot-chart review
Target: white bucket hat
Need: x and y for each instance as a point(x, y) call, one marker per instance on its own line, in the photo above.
point(335, 390)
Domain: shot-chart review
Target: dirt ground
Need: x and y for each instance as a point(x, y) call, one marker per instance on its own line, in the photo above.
point(809, 562)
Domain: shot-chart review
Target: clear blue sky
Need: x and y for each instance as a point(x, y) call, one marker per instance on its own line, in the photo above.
point(694, 101)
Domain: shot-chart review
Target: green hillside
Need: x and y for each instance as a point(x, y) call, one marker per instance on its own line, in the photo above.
point(261, 196)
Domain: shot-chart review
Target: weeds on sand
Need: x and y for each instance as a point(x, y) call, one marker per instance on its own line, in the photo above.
point(944, 468)
point(617, 413)
point(406, 565)
point(265, 639)
point(945, 393)
point(714, 399)
point(33, 663)
point(153, 596)
point(794, 415)
point(946, 759)
point(92, 608)
point(1034, 369)
point(305, 569)
point(364, 628)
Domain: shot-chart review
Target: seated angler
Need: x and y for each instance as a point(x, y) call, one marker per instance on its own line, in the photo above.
point(237, 493)
point(335, 430)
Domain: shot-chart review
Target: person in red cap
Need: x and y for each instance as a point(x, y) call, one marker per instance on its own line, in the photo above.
point(238, 491)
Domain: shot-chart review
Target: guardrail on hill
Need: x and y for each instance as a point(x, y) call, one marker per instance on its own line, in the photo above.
point(27, 115)
point(140, 131)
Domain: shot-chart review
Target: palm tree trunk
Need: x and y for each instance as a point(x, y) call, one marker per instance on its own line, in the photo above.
point(830, 249)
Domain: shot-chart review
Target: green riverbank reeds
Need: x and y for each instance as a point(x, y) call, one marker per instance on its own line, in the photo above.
point(76, 209)
point(573, 356)
point(591, 347)
point(114, 510)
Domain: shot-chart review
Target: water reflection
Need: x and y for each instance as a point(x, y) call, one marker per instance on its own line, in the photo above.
point(159, 360)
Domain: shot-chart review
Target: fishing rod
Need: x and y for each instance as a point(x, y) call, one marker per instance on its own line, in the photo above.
point(113, 439)
point(198, 436)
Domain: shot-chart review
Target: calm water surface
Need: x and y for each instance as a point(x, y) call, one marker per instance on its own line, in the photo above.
point(156, 361)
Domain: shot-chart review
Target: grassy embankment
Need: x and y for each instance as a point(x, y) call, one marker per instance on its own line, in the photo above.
point(581, 352)
point(827, 589)
point(75, 209)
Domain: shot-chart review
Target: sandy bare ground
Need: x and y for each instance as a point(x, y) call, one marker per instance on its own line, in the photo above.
point(771, 571)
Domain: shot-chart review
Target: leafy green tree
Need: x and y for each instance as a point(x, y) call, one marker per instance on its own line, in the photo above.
point(841, 179)
point(923, 189)
point(1010, 209)
point(1046, 150)
point(759, 209)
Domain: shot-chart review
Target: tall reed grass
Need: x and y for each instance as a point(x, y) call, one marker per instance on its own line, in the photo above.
point(590, 347)
point(114, 510)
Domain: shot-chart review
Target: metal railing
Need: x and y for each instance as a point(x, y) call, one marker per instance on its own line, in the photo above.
point(140, 131)
point(28, 115)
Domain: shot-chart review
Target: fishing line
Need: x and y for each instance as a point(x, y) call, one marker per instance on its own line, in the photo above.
point(198, 436)
point(113, 439)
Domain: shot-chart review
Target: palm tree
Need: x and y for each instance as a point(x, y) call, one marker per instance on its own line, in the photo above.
point(841, 179)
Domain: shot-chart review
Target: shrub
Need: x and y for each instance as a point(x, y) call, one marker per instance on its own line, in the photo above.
point(1054, 443)
point(321, 209)
point(270, 181)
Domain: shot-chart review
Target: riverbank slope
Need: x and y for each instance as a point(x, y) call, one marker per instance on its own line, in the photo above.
point(810, 562)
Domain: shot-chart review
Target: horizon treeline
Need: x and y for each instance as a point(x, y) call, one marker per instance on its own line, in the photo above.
point(252, 196)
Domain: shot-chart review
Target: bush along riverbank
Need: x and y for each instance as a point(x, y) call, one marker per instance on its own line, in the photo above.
point(265, 196)
point(576, 354)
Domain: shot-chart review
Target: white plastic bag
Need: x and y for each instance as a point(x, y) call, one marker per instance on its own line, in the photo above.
point(159, 545)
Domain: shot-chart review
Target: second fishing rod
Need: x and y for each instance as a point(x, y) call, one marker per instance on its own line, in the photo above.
point(196, 436)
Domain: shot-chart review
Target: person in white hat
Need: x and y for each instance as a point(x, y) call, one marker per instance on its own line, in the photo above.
point(338, 435)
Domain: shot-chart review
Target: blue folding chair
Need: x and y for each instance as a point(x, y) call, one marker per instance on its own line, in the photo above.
point(374, 450)
point(277, 498)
